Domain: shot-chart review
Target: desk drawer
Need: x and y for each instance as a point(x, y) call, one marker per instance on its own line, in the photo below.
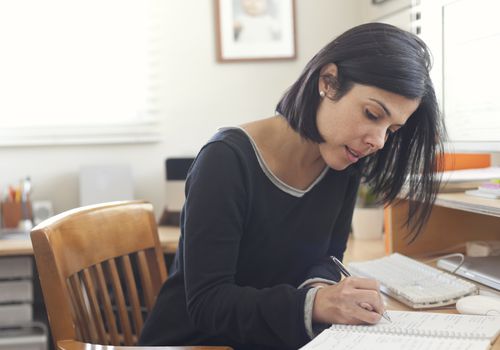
point(16, 291)
point(38, 342)
point(32, 337)
point(15, 314)
point(16, 267)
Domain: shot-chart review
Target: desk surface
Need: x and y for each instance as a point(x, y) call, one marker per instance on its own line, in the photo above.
point(169, 238)
point(75, 345)
point(9, 247)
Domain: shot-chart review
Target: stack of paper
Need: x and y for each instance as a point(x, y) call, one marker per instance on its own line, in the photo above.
point(487, 190)
point(461, 180)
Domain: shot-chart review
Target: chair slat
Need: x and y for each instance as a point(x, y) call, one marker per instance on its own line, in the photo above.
point(85, 325)
point(147, 285)
point(108, 309)
point(132, 294)
point(120, 303)
point(94, 307)
point(76, 312)
point(157, 269)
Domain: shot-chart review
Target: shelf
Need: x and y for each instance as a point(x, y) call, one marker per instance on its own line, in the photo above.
point(472, 204)
point(455, 219)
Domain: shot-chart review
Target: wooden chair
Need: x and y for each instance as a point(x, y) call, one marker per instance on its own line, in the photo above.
point(101, 268)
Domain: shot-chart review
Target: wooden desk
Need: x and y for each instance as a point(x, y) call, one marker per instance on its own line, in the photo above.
point(10, 247)
point(357, 250)
point(169, 239)
point(75, 345)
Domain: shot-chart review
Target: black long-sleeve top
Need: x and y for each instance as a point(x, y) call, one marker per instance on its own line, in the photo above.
point(247, 242)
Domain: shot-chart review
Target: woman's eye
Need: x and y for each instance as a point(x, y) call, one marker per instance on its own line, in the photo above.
point(370, 115)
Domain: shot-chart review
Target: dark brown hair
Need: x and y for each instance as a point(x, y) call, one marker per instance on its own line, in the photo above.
point(394, 60)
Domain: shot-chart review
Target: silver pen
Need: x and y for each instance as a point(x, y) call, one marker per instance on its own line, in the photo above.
point(343, 270)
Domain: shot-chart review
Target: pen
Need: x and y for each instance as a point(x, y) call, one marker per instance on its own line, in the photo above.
point(343, 270)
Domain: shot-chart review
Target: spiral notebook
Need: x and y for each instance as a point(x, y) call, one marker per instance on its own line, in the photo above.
point(412, 330)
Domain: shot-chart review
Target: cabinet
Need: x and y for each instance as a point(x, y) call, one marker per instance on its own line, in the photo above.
point(17, 327)
point(455, 219)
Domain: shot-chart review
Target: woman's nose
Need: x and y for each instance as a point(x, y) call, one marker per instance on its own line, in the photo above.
point(377, 138)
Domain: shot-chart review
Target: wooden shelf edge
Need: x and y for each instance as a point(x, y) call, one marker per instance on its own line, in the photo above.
point(462, 201)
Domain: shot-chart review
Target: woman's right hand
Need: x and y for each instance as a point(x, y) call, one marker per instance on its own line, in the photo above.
point(353, 300)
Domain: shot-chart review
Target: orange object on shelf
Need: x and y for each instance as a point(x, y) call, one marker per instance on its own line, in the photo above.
point(459, 161)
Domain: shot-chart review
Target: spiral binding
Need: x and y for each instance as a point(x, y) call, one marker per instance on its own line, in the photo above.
point(405, 331)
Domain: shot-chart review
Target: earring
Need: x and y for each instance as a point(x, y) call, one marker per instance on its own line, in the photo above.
point(322, 93)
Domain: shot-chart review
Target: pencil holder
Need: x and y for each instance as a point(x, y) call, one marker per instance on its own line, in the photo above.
point(14, 212)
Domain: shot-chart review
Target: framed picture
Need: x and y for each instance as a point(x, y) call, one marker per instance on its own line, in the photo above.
point(249, 30)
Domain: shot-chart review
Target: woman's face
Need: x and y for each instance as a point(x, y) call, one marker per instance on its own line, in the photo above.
point(254, 7)
point(359, 123)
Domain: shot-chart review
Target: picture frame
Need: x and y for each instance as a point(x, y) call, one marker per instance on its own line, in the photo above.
point(255, 30)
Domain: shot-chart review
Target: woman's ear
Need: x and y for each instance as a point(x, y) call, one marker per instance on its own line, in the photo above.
point(328, 79)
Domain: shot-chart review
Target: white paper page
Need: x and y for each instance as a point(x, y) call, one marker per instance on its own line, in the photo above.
point(345, 340)
point(426, 323)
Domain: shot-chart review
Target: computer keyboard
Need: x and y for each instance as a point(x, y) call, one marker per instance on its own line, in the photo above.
point(414, 283)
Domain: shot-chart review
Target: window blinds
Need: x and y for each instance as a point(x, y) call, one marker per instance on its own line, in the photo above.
point(79, 71)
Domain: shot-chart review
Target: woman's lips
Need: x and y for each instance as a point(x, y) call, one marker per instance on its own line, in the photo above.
point(352, 155)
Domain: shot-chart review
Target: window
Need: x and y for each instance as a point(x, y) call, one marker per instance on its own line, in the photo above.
point(464, 37)
point(78, 71)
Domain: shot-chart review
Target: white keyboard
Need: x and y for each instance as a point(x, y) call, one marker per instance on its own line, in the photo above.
point(415, 284)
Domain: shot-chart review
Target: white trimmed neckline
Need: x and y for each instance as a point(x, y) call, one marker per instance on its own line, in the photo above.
point(296, 192)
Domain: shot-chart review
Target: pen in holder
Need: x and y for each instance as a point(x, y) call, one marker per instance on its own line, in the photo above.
point(16, 206)
point(26, 222)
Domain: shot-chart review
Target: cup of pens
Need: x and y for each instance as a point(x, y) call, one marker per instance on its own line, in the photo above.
point(16, 206)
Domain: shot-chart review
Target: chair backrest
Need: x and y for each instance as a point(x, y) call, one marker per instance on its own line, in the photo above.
point(101, 268)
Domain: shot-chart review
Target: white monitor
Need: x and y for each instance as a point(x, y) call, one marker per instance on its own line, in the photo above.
point(105, 183)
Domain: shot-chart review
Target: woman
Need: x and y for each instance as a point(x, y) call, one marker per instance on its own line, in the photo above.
point(269, 202)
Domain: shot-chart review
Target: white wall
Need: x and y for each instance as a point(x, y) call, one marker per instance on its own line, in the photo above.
point(199, 95)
